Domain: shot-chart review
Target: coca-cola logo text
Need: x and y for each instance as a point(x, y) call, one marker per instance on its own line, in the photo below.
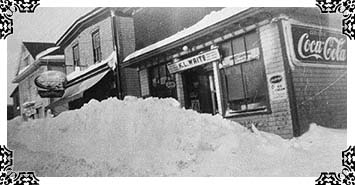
point(313, 45)
point(331, 49)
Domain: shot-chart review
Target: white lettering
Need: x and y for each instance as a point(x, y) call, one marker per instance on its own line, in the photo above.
point(307, 44)
point(332, 49)
point(334, 53)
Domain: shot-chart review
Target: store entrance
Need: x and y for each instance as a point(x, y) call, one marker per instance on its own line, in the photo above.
point(199, 90)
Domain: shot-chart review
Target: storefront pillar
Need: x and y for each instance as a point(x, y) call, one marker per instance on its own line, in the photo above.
point(180, 89)
point(217, 83)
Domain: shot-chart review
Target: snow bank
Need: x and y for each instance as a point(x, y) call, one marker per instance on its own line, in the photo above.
point(155, 137)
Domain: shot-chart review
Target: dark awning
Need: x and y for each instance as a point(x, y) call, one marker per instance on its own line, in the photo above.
point(76, 91)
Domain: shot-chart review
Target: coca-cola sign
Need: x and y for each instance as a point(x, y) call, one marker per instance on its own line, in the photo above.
point(318, 46)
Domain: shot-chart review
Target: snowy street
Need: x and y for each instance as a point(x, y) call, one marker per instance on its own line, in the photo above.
point(155, 137)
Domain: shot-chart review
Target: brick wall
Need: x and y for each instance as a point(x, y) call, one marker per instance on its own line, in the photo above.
point(84, 39)
point(320, 92)
point(130, 79)
point(144, 82)
point(180, 89)
point(320, 96)
point(279, 121)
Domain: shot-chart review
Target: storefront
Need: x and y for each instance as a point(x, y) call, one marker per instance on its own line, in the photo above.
point(276, 68)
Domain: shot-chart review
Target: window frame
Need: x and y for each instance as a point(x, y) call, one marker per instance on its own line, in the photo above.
point(153, 91)
point(97, 53)
point(246, 112)
point(76, 63)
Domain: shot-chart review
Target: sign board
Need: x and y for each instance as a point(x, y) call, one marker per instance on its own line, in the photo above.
point(277, 86)
point(318, 46)
point(195, 105)
point(170, 84)
point(49, 93)
point(50, 84)
point(237, 58)
point(194, 61)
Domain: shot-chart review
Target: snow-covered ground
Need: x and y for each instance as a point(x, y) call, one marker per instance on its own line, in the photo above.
point(155, 137)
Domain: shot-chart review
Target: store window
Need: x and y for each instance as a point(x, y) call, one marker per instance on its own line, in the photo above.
point(96, 46)
point(244, 75)
point(162, 83)
point(76, 57)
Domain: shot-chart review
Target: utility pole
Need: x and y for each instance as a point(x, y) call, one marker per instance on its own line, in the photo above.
point(115, 46)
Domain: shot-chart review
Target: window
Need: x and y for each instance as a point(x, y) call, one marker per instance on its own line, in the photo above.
point(96, 46)
point(76, 56)
point(26, 60)
point(162, 83)
point(244, 75)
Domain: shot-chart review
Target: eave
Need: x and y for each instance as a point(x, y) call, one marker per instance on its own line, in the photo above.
point(33, 67)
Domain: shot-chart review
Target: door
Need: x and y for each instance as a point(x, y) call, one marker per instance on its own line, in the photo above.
point(199, 93)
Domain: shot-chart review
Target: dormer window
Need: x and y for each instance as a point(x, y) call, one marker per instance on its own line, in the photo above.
point(76, 57)
point(96, 46)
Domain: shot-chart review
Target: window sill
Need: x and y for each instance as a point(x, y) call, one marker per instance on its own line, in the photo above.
point(247, 113)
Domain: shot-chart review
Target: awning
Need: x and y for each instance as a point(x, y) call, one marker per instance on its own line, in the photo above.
point(76, 91)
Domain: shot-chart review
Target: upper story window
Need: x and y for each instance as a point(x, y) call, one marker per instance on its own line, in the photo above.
point(96, 46)
point(244, 75)
point(76, 57)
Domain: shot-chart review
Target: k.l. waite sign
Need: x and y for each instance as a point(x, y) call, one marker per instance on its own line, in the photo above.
point(318, 46)
point(194, 61)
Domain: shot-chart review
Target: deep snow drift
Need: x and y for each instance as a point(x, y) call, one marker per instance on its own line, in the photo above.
point(154, 137)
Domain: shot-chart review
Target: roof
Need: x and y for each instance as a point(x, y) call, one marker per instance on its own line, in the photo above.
point(80, 23)
point(77, 23)
point(14, 91)
point(34, 48)
point(53, 51)
point(209, 20)
point(47, 56)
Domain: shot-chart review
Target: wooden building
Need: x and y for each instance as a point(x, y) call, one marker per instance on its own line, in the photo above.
point(35, 58)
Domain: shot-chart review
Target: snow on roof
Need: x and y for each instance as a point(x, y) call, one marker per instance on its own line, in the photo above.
point(23, 69)
point(209, 20)
point(52, 57)
point(46, 52)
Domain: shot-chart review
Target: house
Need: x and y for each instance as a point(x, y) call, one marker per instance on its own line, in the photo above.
point(279, 69)
point(35, 58)
point(96, 43)
point(15, 104)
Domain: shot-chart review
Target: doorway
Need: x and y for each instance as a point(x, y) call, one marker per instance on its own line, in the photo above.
point(199, 90)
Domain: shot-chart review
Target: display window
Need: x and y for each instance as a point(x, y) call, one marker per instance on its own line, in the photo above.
point(162, 83)
point(244, 76)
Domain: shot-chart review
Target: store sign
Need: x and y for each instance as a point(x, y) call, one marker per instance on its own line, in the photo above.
point(194, 61)
point(48, 93)
point(28, 108)
point(277, 86)
point(318, 46)
point(50, 84)
point(251, 54)
point(170, 84)
point(241, 57)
